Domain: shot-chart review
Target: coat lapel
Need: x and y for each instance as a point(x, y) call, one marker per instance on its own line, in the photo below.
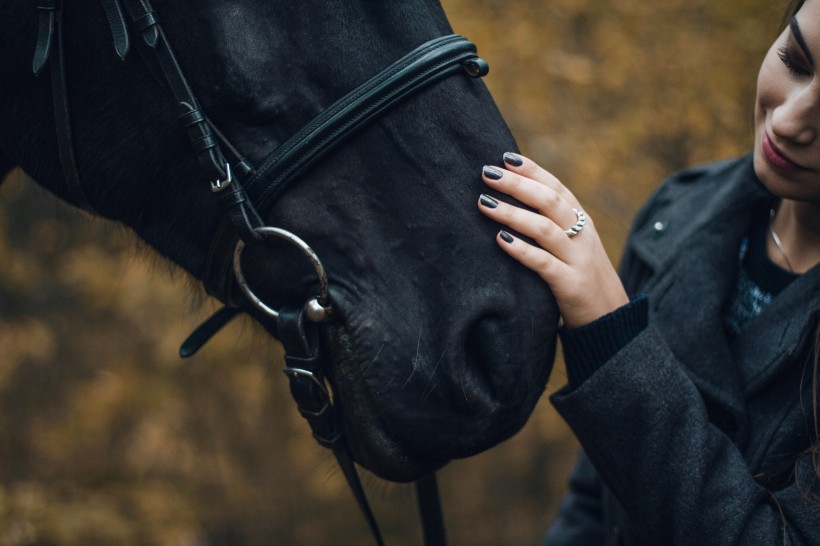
point(776, 339)
point(688, 295)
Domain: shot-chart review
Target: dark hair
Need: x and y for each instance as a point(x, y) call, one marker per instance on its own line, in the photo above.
point(808, 489)
point(814, 450)
point(807, 485)
point(794, 7)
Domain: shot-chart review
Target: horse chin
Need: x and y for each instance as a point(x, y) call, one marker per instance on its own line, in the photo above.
point(370, 440)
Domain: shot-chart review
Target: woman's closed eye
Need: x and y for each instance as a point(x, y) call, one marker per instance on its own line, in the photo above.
point(796, 65)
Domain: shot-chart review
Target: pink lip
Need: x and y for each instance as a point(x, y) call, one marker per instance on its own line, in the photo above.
point(776, 157)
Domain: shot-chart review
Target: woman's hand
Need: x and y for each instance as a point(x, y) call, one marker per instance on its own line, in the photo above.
point(576, 267)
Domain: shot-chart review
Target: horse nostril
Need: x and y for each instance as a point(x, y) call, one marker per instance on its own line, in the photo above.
point(487, 353)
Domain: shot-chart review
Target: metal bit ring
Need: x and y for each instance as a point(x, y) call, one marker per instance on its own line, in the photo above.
point(316, 308)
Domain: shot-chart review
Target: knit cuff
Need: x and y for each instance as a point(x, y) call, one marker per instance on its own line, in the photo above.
point(588, 347)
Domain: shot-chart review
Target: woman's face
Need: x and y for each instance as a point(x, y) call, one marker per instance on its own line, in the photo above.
point(787, 112)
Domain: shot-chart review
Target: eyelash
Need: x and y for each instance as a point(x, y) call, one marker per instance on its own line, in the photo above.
point(787, 60)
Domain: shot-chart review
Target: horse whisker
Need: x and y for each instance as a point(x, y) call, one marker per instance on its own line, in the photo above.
point(416, 360)
point(428, 389)
point(385, 386)
point(364, 373)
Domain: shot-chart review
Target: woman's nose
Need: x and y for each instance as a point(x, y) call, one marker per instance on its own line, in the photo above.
point(797, 119)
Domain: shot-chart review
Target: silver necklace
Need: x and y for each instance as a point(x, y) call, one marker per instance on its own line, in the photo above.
point(777, 242)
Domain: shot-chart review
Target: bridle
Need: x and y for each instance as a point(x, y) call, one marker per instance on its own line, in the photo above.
point(242, 189)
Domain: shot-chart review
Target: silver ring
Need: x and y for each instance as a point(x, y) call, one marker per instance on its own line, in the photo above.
point(316, 308)
point(579, 224)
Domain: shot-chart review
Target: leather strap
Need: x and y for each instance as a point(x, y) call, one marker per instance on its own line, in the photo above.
point(145, 21)
point(432, 518)
point(205, 141)
point(119, 28)
point(59, 92)
point(419, 69)
point(206, 331)
point(307, 386)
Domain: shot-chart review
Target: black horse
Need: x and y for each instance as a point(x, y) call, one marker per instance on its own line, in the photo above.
point(440, 346)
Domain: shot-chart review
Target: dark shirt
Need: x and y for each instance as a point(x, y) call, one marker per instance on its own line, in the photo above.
point(758, 281)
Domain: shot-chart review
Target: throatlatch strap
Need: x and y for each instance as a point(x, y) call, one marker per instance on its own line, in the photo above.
point(206, 331)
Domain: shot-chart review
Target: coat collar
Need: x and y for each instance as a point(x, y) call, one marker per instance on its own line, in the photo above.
point(696, 260)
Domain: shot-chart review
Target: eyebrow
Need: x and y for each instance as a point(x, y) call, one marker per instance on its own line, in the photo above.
point(798, 36)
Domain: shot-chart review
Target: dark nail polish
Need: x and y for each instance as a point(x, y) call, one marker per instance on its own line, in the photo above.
point(506, 237)
point(488, 201)
point(492, 173)
point(513, 159)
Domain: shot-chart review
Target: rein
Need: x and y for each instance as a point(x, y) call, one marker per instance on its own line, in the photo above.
point(242, 189)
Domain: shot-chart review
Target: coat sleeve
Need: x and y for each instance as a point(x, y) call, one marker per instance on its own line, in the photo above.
point(579, 519)
point(644, 427)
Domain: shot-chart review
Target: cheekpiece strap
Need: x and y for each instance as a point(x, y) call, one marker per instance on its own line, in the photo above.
point(205, 140)
point(307, 382)
point(308, 388)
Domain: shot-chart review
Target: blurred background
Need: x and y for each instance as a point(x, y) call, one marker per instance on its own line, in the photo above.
point(107, 437)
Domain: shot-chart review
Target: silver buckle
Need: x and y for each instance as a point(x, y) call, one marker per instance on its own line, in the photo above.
point(219, 185)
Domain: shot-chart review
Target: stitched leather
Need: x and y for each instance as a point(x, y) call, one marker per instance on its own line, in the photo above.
point(428, 64)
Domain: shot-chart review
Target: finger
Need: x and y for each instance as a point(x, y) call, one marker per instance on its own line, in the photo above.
point(542, 229)
point(527, 167)
point(532, 193)
point(547, 266)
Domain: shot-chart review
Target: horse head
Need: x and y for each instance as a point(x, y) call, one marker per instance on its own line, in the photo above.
point(439, 345)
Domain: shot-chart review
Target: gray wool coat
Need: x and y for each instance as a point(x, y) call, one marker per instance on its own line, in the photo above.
point(689, 439)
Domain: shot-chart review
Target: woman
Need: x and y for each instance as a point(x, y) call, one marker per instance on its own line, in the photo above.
point(695, 401)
